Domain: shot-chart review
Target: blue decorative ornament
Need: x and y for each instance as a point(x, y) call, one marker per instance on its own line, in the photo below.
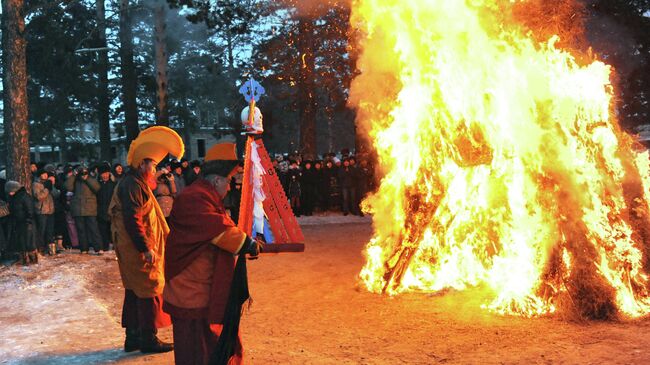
point(251, 89)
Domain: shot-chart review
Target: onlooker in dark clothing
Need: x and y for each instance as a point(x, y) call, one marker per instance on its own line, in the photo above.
point(318, 177)
point(347, 181)
point(193, 172)
point(165, 191)
point(4, 213)
point(295, 189)
point(104, 196)
point(233, 198)
point(45, 193)
point(84, 209)
point(366, 176)
point(179, 179)
point(283, 175)
point(308, 185)
point(118, 172)
point(21, 212)
point(330, 187)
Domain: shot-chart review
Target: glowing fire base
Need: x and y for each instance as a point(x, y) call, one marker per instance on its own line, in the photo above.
point(504, 168)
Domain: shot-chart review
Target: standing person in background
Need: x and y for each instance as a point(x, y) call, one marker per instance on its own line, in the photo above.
point(330, 185)
point(295, 188)
point(165, 190)
point(70, 237)
point(193, 172)
point(233, 199)
point(21, 212)
point(318, 177)
point(140, 230)
point(308, 185)
point(44, 195)
point(83, 206)
point(4, 213)
point(104, 196)
point(179, 180)
point(347, 181)
point(118, 172)
point(364, 180)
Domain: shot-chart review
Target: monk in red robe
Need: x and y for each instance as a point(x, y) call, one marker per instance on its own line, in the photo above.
point(200, 264)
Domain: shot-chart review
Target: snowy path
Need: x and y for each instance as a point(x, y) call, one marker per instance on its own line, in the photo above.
point(47, 316)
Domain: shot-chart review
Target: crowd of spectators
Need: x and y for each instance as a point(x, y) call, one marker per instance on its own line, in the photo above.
point(68, 204)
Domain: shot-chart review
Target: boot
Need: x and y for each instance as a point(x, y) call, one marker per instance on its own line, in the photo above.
point(24, 259)
point(33, 257)
point(149, 343)
point(59, 244)
point(132, 341)
point(51, 249)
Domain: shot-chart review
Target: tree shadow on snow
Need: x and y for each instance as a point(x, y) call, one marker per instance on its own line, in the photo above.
point(107, 356)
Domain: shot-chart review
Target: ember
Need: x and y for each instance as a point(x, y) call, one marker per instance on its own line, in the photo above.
point(505, 169)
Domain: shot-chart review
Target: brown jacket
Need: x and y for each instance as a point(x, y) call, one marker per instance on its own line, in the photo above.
point(138, 225)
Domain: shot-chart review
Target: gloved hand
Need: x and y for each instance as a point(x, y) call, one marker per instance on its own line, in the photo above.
point(252, 247)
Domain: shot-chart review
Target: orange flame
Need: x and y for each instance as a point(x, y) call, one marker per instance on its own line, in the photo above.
point(504, 168)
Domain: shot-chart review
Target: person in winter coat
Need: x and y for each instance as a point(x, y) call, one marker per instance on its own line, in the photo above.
point(84, 208)
point(330, 186)
point(295, 188)
point(348, 181)
point(192, 173)
point(21, 211)
point(179, 179)
point(118, 172)
point(165, 190)
point(308, 184)
point(140, 231)
point(104, 196)
point(45, 194)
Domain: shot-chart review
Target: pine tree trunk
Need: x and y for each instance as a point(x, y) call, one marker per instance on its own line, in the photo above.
point(16, 124)
point(129, 81)
point(306, 94)
point(160, 45)
point(103, 102)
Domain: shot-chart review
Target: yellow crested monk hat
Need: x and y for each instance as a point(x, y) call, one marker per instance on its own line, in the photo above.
point(155, 143)
point(220, 159)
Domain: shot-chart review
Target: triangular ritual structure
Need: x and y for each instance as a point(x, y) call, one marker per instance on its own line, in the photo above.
point(287, 235)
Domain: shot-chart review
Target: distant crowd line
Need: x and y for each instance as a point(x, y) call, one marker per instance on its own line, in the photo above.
point(68, 205)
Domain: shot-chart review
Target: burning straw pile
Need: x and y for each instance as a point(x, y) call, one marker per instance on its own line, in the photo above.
point(505, 169)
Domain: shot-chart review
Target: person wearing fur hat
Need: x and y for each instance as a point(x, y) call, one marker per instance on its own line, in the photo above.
point(21, 212)
point(205, 288)
point(45, 193)
point(104, 196)
point(140, 230)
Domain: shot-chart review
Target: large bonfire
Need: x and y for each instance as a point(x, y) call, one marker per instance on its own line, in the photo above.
point(504, 168)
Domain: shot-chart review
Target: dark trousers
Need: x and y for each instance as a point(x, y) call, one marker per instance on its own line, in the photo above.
point(88, 232)
point(45, 229)
point(105, 231)
point(141, 313)
point(194, 342)
point(349, 200)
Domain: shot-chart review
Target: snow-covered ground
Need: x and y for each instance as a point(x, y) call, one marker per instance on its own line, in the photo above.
point(48, 316)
